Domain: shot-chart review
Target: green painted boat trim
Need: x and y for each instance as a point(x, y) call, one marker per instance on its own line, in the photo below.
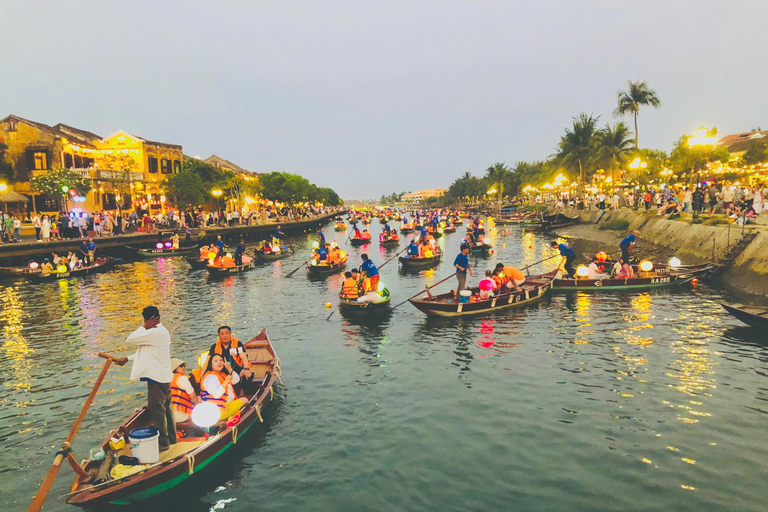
point(170, 484)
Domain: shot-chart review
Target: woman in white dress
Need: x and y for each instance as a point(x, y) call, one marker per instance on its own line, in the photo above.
point(757, 203)
point(46, 228)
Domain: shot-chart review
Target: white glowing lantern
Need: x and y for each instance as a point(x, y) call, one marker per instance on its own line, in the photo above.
point(33, 265)
point(582, 271)
point(381, 287)
point(159, 245)
point(206, 414)
point(316, 245)
point(674, 262)
point(202, 360)
point(646, 266)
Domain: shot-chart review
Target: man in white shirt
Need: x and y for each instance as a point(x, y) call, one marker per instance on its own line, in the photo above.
point(152, 364)
point(38, 223)
point(594, 270)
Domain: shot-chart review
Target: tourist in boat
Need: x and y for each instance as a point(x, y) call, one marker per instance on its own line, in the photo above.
point(321, 254)
point(625, 271)
point(462, 266)
point(515, 278)
point(594, 270)
point(152, 364)
point(567, 256)
point(239, 252)
point(46, 268)
point(628, 245)
point(487, 285)
point(413, 249)
point(219, 243)
point(91, 251)
point(175, 241)
point(350, 288)
point(366, 235)
point(204, 251)
point(333, 255)
point(183, 397)
point(370, 271)
point(321, 236)
point(84, 252)
point(387, 229)
point(357, 233)
point(216, 387)
point(233, 351)
point(277, 235)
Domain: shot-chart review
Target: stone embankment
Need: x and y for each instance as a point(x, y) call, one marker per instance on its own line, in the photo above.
point(744, 265)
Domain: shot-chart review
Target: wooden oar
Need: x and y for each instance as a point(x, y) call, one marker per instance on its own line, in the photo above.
point(393, 257)
point(542, 261)
point(425, 290)
point(297, 269)
point(45, 487)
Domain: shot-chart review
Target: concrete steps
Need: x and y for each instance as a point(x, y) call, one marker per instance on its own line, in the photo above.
point(733, 253)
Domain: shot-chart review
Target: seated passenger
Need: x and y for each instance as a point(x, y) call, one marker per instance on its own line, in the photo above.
point(216, 387)
point(349, 289)
point(333, 255)
point(626, 271)
point(413, 249)
point(46, 268)
point(183, 397)
point(594, 270)
point(487, 285)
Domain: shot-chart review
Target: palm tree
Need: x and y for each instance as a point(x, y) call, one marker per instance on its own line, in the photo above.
point(577, 146)
point(496, 175)
point(632, 99)
point(613, 146)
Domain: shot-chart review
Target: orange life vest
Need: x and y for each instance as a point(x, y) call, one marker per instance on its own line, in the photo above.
point(228, 262)
point(180, 399)
point(349, 289)
point(221, 402)
point(219, 349)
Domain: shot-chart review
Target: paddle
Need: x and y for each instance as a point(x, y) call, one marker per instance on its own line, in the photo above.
point(425, 290)
point(393, 257)
point(297, 268)
point(45, 487)
point(542, 261)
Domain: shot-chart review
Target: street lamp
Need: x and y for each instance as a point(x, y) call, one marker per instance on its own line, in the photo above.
point(217, 194)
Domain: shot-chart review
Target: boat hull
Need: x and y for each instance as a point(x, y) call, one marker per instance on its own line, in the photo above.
point(366, 308)
point(753, 317)
point(325, 270)
point(271, 256)
point(419, 263)
point(217, 272)
point(196, 263)
point(658, 280)
point(357, 242)
point(144, 252)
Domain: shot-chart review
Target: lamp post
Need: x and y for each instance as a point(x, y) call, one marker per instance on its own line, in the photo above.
point(637, 164)
point(217, 194)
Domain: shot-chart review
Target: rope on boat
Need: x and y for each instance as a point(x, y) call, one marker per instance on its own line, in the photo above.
point(234, 434)
point(191, 463)
point(258, 413)
point(271, 392)
point(278, 370)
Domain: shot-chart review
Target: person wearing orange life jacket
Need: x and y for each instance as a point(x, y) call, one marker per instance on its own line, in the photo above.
point(515, 278)
point(349, 289)
point(216, 387)
point(183, 397)
point(233, 352)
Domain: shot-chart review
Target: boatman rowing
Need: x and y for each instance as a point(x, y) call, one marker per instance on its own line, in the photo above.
point(628, 245)
point(567, 257)
point(370, 271)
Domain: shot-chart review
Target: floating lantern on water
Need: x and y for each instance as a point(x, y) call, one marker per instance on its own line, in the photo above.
point(33, 265)
point(582, 271)
point(159, 245)
point(646, 266)
point(61, 268)
point(205, 414)
point(168, 244)
point(328, 305)
point(674, 262)
point(694, 281)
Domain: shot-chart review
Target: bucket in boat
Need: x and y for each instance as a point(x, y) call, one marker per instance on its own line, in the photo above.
point(145, 444)
point(464, 296)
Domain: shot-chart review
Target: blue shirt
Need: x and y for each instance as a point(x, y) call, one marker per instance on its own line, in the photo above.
point(387, 228)
point(84, 247)
point(369, 268)
point(434, 222)
point(91, 246)
point(463, 261)
point(322, 237)
point(413, 249)
point(278, 233)
point(628, 240)
point(423, 232)
point(565, 250)
point(240, 249)
point(219, 244)
point(323, 252)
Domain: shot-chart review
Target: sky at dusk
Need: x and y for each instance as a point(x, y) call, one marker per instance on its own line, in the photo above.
point(372, 97)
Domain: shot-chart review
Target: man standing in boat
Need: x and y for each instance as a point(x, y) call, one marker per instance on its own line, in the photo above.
point(568, 256)
point(370, 271)
point(628, 245)
point(152, 364)
point(239, 251)
point(462, 265)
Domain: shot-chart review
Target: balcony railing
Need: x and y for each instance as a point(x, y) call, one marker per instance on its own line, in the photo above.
point(120, 175)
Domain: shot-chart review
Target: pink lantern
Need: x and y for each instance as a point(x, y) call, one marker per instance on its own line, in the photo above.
point(159, 245)
point(486, 285)
point(168, 244)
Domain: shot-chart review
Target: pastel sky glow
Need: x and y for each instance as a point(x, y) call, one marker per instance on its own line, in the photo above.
point(377, 97)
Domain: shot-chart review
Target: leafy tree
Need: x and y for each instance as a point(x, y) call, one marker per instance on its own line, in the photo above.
point(52, 183)
point(691, 160)
point(6, 169)
point(497, 176)
point(656, 160)
point(756, 153)
point(121, 166)
point(613, 147)
point(186, 188)
point(637, 94)
point(577, 147)
point(466, 186)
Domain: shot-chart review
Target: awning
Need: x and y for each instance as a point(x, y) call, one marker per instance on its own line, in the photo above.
point(9, 196)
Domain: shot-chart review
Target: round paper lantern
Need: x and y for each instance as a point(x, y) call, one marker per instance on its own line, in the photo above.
point(33, 265)
point(61, 268)
point(646, 266)
point(159, 245)
point(205, 414)
point(582, 271)
point(168, 244)
point(316, 245)
point(486, 284)
point(674, 262)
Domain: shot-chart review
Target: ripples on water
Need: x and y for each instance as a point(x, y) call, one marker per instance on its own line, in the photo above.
point(647, 401)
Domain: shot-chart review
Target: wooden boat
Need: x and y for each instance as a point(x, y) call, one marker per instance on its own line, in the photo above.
point(269, 255)
point(660, 277)
point(752, 316)
point(420, 263)
point(192, 454)
point(196, 263)
point(480, 230)
point(479, 248)
point(340, 227)
point(100, 265)
point(553, 221)
point(449, 229)
point(324, 269)
point(352, 306)
point(214, 271)
point(516, 219)
point(390, 242)
point(435, 234)
point(154, 252)
point(446, 304)
point(357, 242)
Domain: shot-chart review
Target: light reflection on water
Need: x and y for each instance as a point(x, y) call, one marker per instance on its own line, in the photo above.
point(645, 401)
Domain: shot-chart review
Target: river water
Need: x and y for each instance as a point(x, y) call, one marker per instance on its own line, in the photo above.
point(643, 401)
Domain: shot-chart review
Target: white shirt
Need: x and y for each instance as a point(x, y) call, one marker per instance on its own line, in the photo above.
point(213, 386)
point(153, 358)
point(36, 221)
point(594, 272)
